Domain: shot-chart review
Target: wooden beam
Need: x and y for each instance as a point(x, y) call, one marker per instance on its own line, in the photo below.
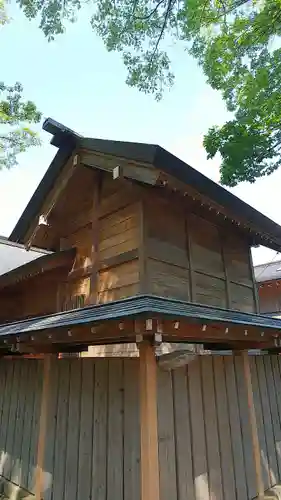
point(146, 175)
point(42, 429)
point(125, 330)
point(149, 424)
point(253, 425)
point(183, 330)
point(120, 167)
point(92, 298)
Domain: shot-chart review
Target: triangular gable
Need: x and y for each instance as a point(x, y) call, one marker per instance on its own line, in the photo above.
point(262, 230)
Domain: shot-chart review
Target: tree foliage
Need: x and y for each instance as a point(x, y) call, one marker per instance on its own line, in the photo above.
point(15, 113)
point(236, 42)
point(3, 15)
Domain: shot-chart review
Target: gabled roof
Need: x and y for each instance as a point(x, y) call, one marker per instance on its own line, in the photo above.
point(268, 271)
point(67, 140)
point(13, 255)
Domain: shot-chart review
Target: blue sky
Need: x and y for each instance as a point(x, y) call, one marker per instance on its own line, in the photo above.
point(77, 82)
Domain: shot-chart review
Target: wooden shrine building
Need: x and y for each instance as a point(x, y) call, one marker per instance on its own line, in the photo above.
point(141, 249)
point(268, 278)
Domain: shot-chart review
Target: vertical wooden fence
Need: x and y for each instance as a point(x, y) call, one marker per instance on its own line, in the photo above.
point(93, 431)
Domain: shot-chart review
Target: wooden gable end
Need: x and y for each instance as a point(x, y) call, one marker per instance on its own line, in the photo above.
point(135, 232)
point(100, 216)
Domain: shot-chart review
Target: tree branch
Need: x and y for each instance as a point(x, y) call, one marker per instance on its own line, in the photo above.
point(145, 18)
point(169, 7)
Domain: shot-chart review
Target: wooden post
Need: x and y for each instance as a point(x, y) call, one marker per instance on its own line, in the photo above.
point(42, 428)
point(253, 425)
point(148, 422)
point(93, 296)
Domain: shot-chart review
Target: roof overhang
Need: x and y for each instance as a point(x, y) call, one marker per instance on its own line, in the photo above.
point(262, 230)
point(38, 266)
point(147, 316)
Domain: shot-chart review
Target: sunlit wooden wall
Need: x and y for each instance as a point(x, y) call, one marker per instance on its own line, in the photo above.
point(93, 439)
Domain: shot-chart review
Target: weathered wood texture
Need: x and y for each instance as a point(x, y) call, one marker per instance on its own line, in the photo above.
point(106, 266)
point(205, 445)
point(118, 241)
point(190, 258)
point(132, 239)
point(93, 428)
point(92, 448)
point(32, 297)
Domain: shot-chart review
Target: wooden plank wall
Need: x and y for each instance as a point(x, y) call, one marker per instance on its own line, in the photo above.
point(205, 443)
point(26, 299)
point(93, 448)
point(20, 394)
point(110, 271)
point(92, 445)
point(118, 241)
point(189, 258)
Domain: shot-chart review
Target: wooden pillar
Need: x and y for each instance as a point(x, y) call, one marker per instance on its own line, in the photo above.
point(148, 422)
point(253, 425)
point(93, 296)
point(42, 428)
